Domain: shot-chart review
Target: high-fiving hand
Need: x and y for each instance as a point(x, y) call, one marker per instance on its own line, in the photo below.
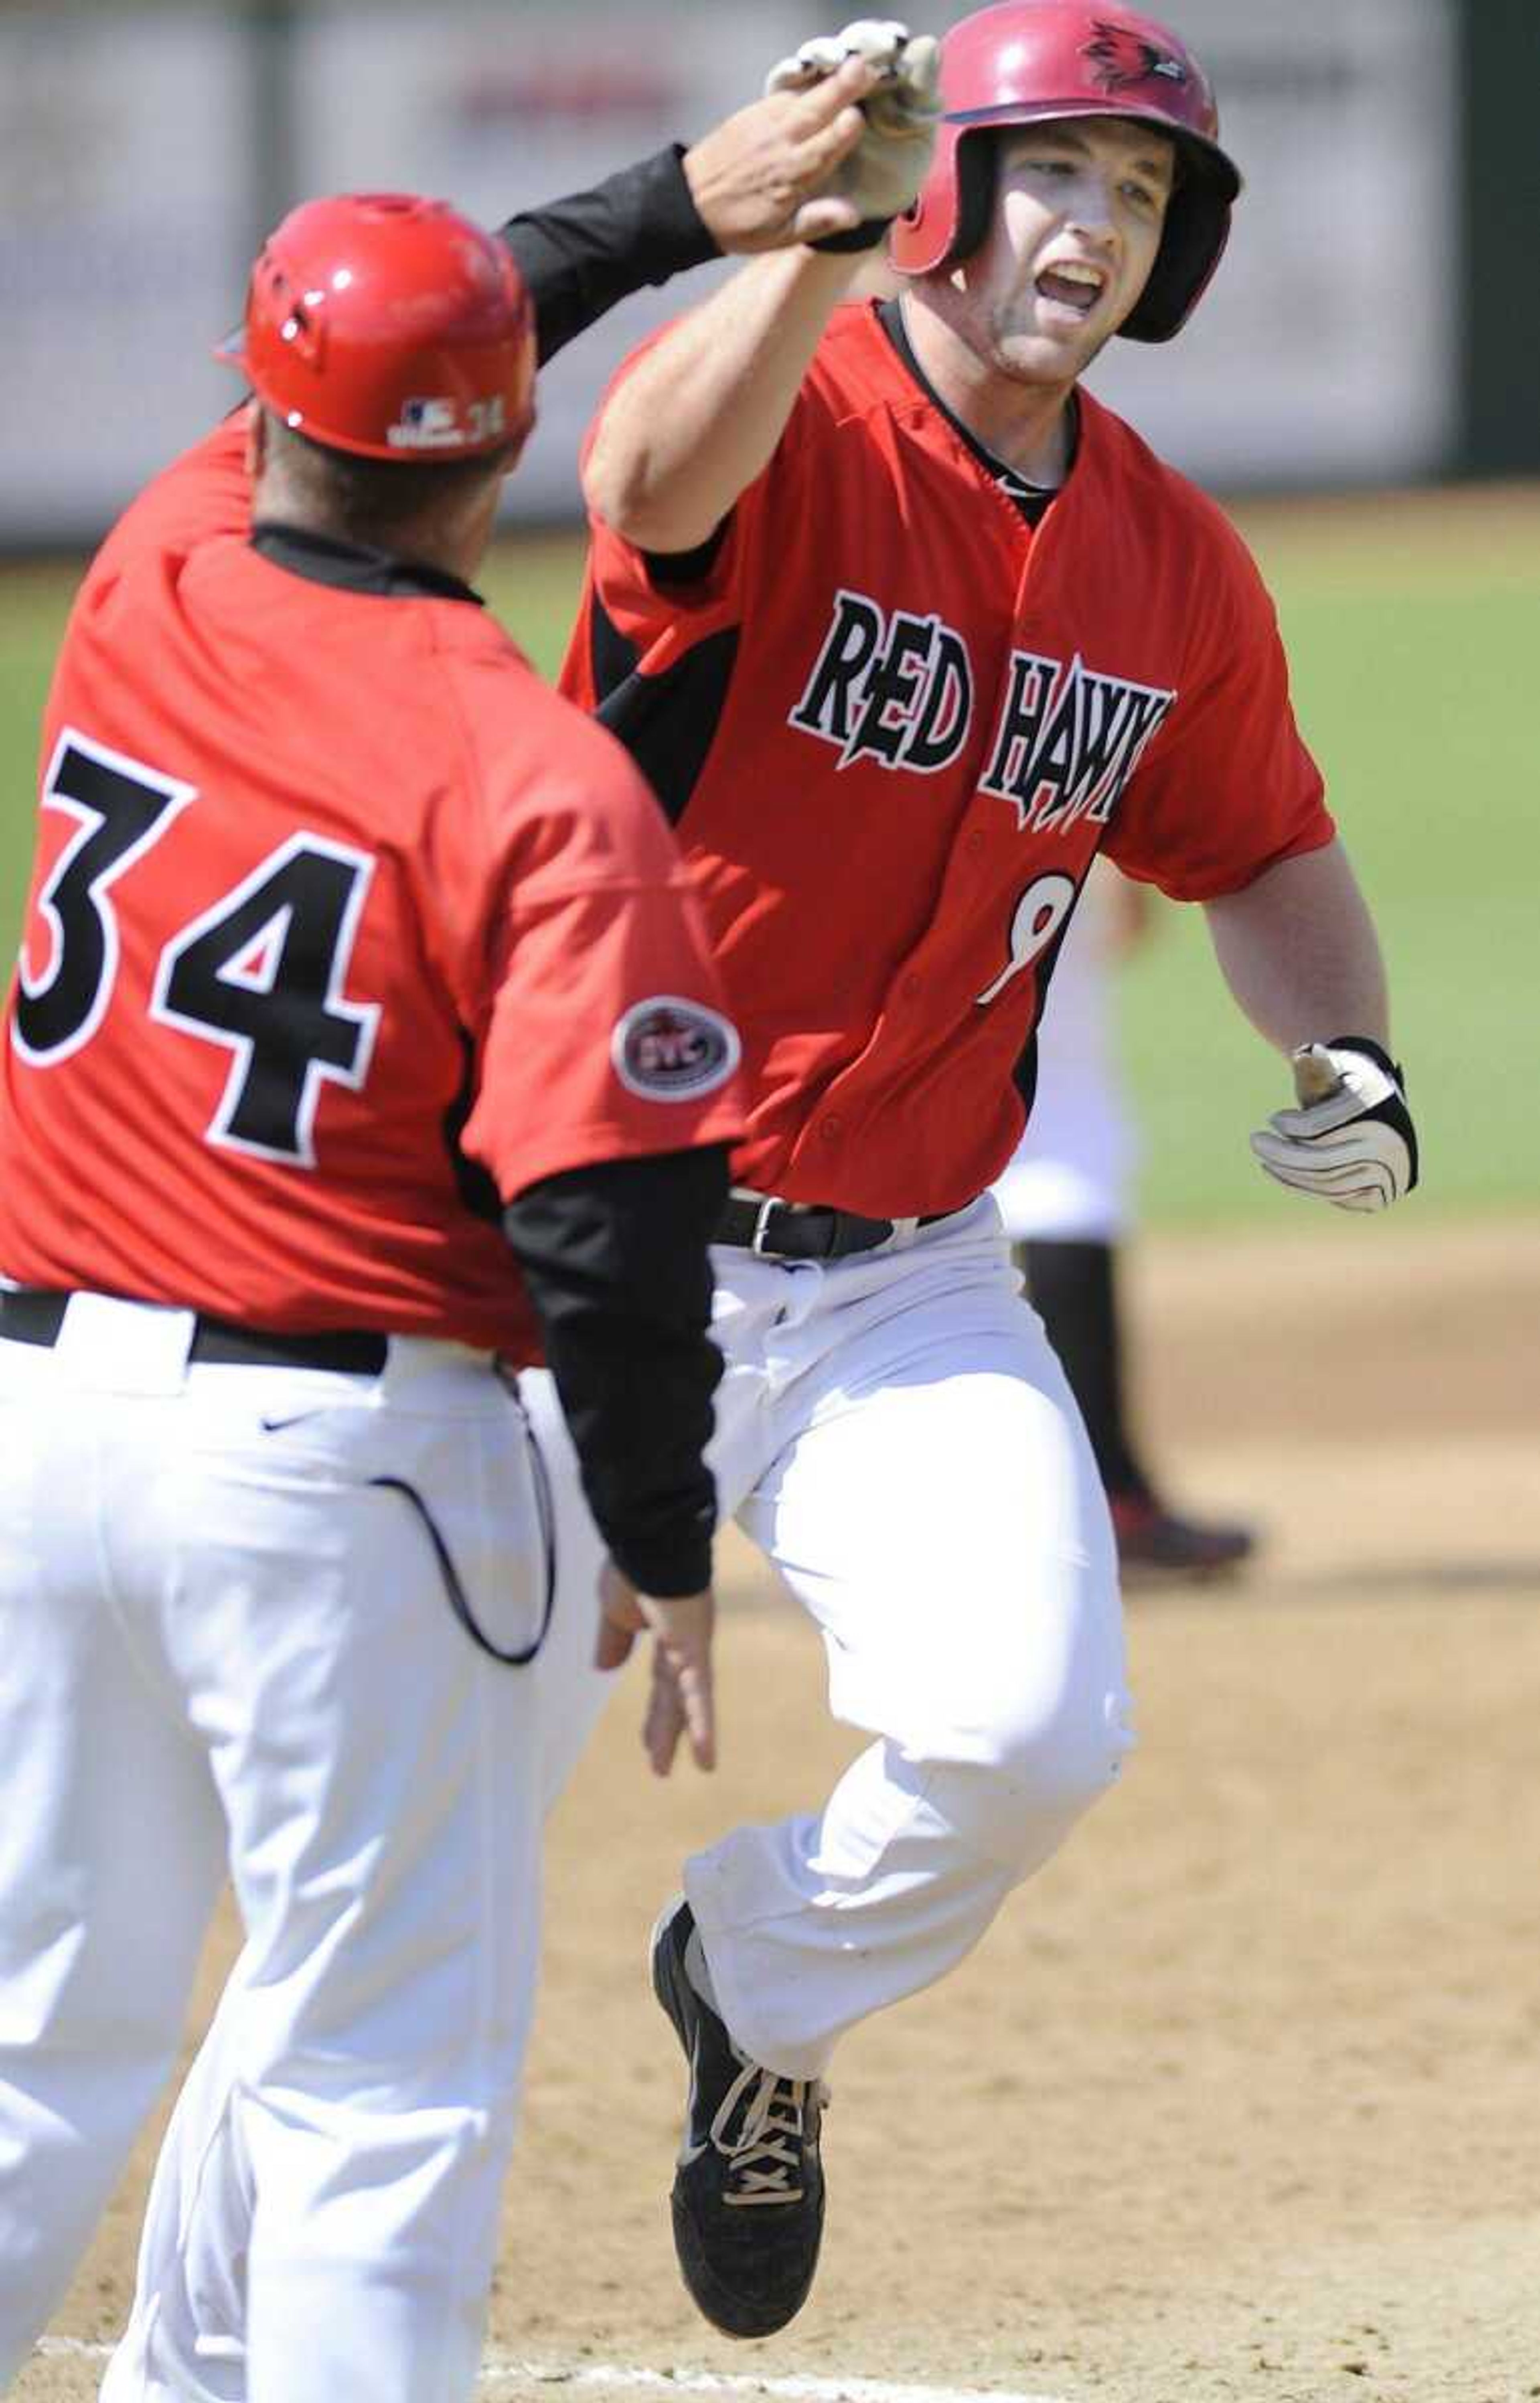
point(881, 174)
point(768, 178)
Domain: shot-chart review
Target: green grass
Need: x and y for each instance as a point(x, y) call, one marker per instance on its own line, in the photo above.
point(1412, 687)
point(1414, 632)
point(534, 587)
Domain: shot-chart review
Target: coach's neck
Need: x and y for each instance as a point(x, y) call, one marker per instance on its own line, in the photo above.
point(437, 514)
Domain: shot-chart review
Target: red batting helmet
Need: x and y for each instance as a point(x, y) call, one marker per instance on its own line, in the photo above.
point(390, 326)
point(1031, 58)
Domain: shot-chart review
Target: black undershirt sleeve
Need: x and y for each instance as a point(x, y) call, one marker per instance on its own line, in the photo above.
point(581, 255)
point(615, 1259)
point(614, 1254)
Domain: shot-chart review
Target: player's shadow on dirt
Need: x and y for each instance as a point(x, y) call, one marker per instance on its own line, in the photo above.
point(1396, 1581)
point(1389, 1581)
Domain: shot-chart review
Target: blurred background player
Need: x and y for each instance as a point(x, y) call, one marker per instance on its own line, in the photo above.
point(363, 1043)
point(1065, 1199)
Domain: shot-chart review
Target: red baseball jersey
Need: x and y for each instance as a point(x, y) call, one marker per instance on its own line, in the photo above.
point(895, 723)
point(342, 929)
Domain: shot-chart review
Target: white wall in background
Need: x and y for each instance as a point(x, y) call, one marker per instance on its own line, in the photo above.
point(498, 110)
point(122, 198)
point(1324, 352)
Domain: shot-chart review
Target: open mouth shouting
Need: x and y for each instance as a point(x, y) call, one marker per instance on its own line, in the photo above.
point(1069, 289)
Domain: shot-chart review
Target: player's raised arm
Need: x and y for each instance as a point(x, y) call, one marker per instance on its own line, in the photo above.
point(698, 416)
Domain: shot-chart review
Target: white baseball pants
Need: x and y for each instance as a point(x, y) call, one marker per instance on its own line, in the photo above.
point(895, 1434)
point(226, 1637)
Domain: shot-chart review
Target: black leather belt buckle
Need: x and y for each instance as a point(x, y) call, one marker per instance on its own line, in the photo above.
point(798, 1230)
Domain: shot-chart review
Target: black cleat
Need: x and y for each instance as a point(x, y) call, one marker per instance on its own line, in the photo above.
point(748, 2193)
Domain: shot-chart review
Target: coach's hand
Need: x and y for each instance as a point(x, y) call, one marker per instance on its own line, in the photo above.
point(880, 175)
point(681, 1699)
point(1351, 1142)
point(768, 178)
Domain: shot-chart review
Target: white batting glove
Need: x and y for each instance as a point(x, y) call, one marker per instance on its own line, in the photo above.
point(884, 172)
point(879, 39)
point(1351, 1142)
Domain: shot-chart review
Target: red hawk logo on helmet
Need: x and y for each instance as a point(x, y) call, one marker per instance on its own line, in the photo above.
point(1124, 58)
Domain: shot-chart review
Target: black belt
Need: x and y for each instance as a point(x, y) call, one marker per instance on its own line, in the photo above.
point(30, 1314)
point(803, 1230)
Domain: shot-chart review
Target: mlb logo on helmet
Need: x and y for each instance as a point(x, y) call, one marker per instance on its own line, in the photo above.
point(426, 425)
point(447, 425)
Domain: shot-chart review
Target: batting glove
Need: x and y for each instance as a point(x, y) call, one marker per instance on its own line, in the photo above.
point(1351, 1142)
point(884, 171)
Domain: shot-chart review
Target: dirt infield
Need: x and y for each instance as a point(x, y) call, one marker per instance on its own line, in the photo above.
point(1239, 2100)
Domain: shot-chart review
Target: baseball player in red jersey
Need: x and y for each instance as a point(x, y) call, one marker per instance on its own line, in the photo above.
point(363, 1037)
point(606, 1248)
point(905, 628)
